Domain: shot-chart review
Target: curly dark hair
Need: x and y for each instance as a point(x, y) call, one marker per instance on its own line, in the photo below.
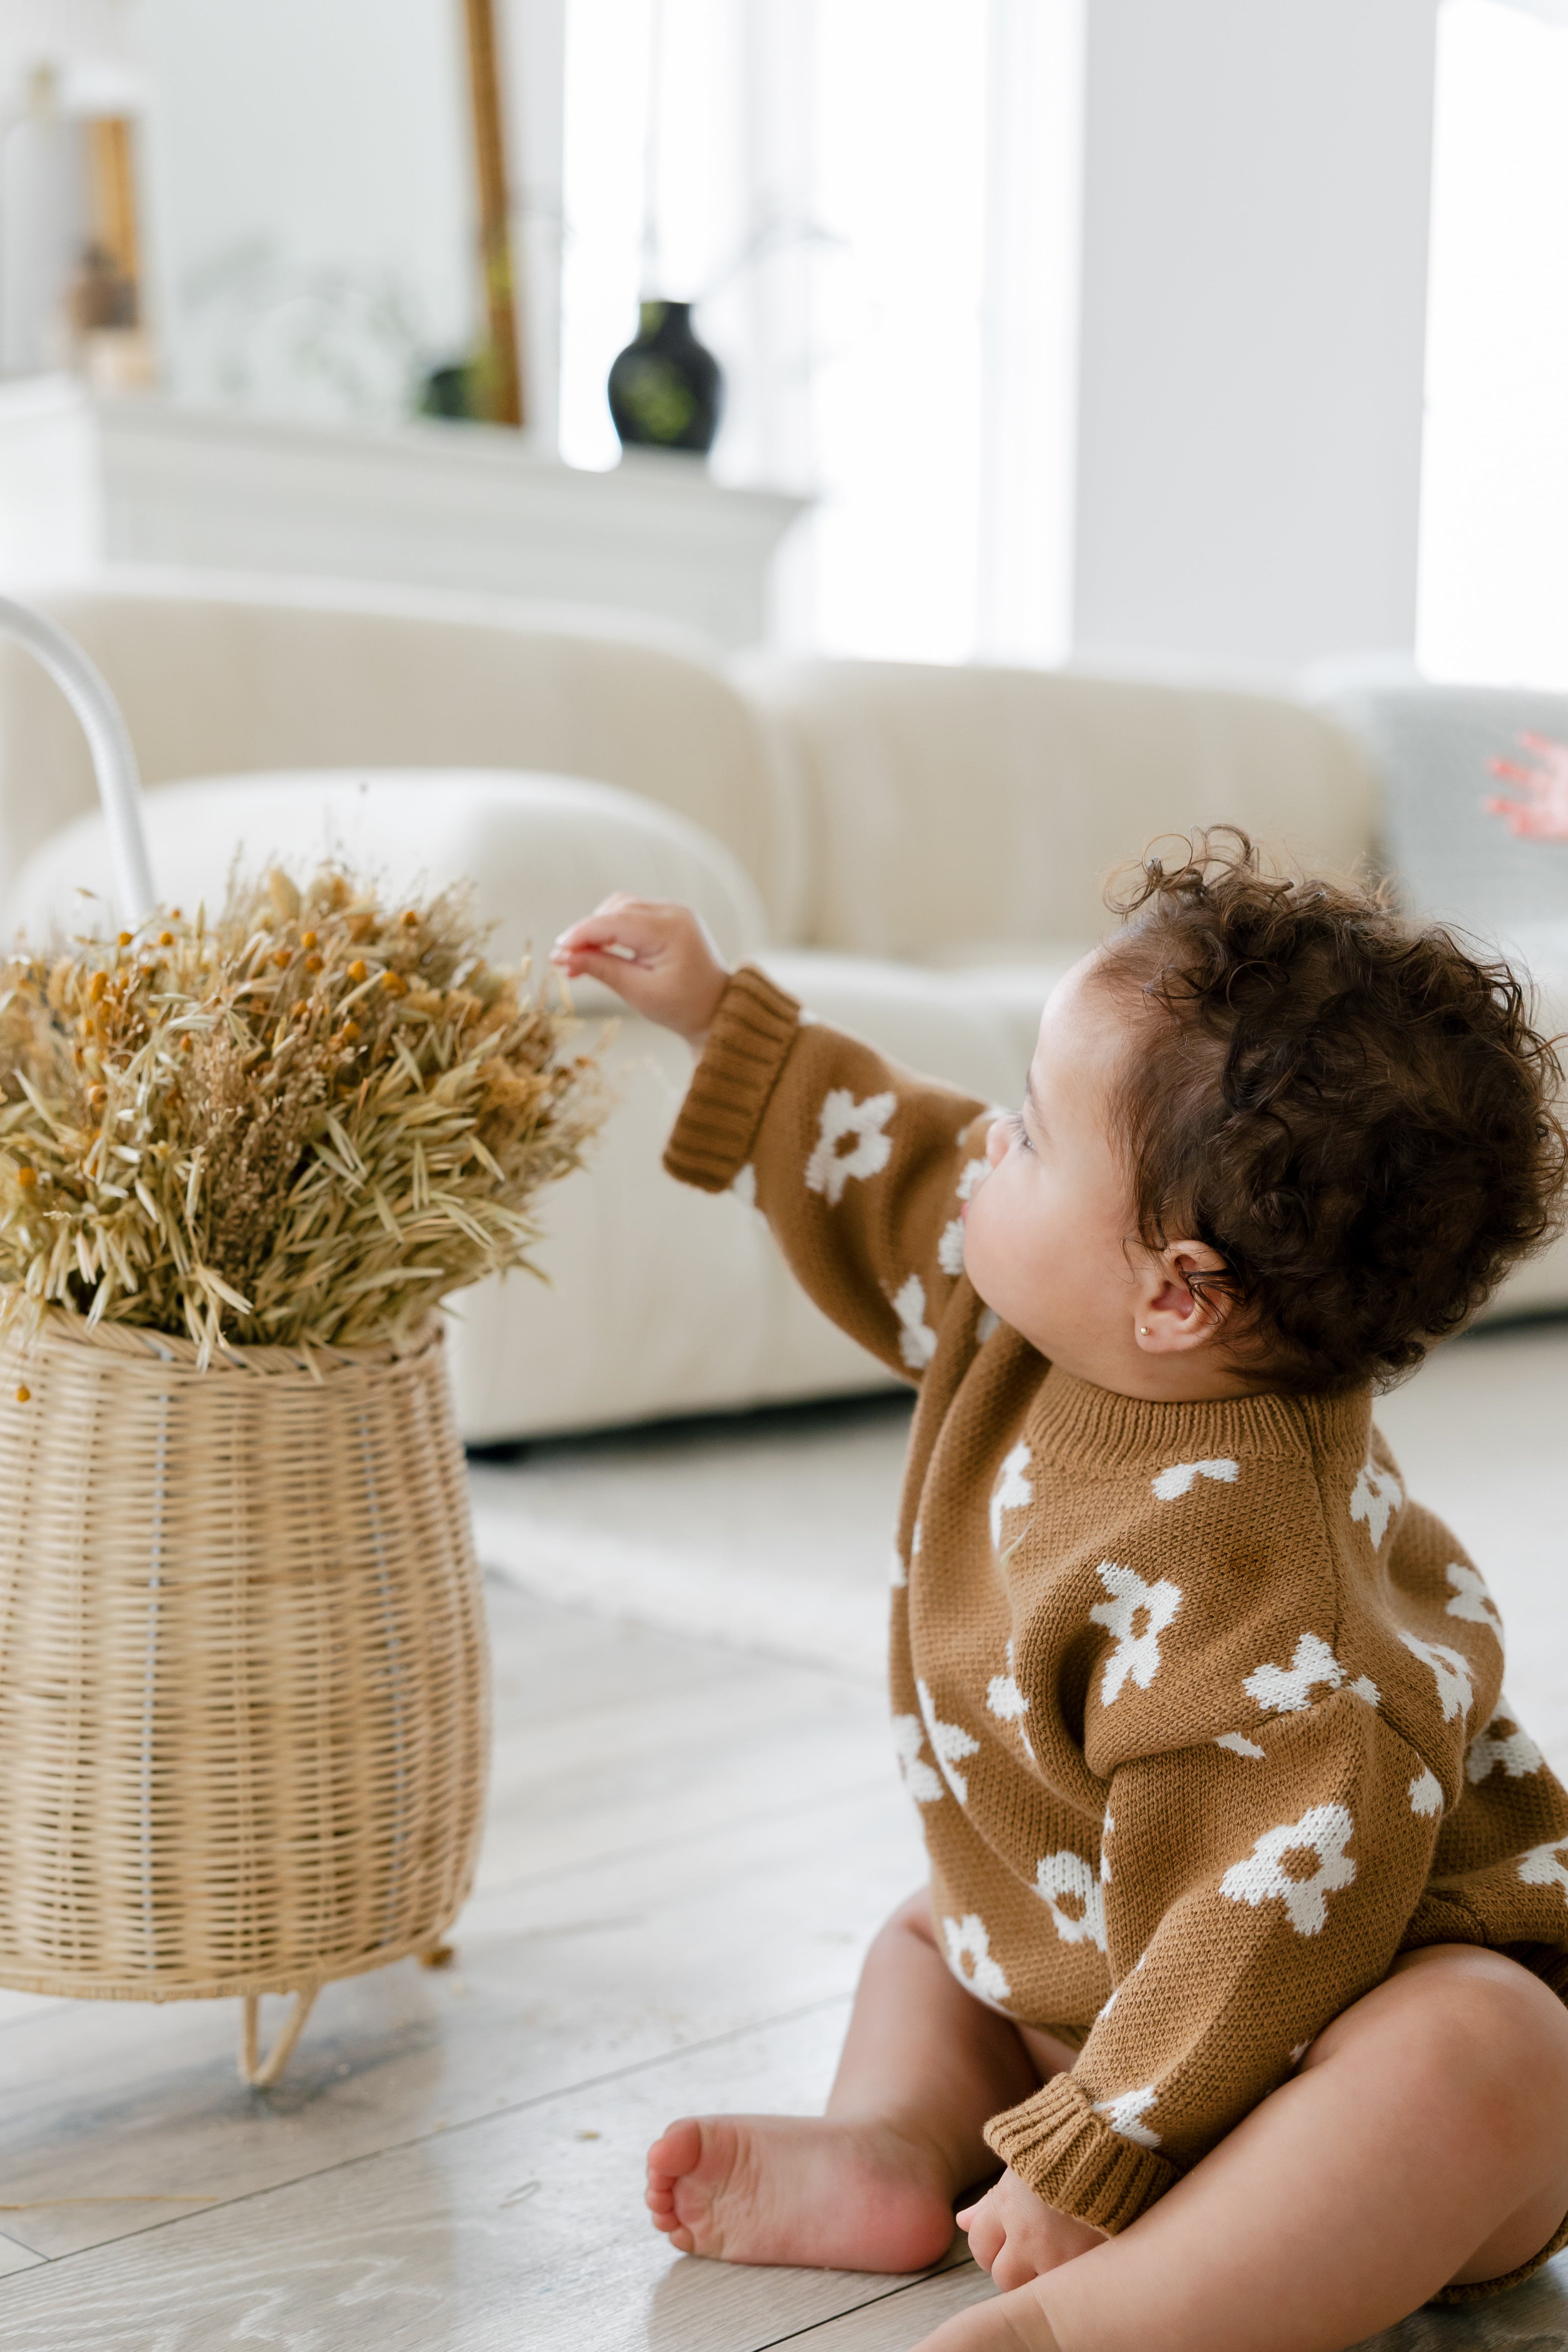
point(1351, 1110)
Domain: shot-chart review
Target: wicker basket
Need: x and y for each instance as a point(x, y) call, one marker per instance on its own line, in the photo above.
point(243, 1693)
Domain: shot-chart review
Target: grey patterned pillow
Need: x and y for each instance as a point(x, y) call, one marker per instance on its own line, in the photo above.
point(1429, 747)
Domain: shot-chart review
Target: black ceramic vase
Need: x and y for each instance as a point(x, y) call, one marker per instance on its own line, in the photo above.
point(665, 390)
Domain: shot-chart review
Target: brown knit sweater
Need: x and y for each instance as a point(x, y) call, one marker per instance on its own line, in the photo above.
point(1204, 1719)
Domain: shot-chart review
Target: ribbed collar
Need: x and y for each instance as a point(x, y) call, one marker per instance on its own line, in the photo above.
point(1075, 1423)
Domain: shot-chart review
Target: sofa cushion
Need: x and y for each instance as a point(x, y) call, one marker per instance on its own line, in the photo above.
point(973, 1027)
point(539, 850)
point(956, 806)
point(216, 680)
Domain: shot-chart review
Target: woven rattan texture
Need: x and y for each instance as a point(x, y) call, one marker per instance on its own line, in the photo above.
point(243, 1694)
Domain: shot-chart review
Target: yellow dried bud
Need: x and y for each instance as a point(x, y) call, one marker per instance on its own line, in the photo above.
point(22, 1394)
point(394, 983)
point(308, 940)
point(350, 1032)
point(409, 920)
point(165, 939)
point(26, 1176)
point(358, 970)
point(126, 938)
point(97, 1096)
point(97, 985)
point(312, 963)
point(280, 956)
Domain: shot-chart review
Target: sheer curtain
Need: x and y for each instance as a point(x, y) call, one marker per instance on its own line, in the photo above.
point(874, 203)
point(1494, 551)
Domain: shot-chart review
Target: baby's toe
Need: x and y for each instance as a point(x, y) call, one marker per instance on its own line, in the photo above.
point(676, 2151)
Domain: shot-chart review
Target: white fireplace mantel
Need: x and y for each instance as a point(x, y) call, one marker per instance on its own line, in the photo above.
point(88, 483)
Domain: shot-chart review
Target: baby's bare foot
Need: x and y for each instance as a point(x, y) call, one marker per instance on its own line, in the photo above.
point(785, 2188)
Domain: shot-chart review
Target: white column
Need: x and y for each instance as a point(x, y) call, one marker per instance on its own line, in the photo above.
point(1255, 205)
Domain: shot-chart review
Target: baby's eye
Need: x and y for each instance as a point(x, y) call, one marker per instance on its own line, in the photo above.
point(1020, 1133)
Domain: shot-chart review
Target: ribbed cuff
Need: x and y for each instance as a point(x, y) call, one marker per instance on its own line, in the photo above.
point(755, 1025)
point(1072, 2159)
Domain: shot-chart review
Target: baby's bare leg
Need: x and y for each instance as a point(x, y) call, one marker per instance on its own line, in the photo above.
point(1424, 2142)
point(870, 2186)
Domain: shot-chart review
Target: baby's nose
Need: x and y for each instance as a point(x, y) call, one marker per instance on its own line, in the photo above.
point(996, 1140)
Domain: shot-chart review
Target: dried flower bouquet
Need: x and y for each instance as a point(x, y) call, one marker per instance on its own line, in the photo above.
point(300, 1124)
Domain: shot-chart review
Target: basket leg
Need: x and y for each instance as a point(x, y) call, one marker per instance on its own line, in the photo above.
point(262, 2073)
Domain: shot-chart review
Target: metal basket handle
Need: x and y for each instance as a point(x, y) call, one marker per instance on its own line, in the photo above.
point(108, 740)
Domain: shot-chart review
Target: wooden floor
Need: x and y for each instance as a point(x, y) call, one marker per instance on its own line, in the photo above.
point(689, 1848)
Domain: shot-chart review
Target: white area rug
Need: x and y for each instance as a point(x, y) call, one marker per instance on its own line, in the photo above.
point(773, 1532)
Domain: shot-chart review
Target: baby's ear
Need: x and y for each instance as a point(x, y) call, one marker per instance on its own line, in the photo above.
point(1189, 1293)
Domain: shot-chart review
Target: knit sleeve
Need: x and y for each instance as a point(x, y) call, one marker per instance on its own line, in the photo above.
point(1253, 1887)
point(859, 1166)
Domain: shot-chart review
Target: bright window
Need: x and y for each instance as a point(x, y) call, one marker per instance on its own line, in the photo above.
point(1494, 553)
point(874, 203)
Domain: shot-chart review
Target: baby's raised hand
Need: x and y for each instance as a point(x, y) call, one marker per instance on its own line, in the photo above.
point(1017, 2236)
point(660, 958)
point(1543, 816)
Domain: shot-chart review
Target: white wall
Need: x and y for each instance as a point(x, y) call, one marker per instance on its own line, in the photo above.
point(1256, 204)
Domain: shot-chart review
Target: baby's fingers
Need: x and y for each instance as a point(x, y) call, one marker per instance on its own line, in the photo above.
point(983, 2226)
point(627, 928)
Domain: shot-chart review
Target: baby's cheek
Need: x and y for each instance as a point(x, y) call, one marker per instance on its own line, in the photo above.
point(990, 1245)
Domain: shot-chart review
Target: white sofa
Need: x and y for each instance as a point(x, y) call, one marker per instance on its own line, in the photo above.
point(916, 851)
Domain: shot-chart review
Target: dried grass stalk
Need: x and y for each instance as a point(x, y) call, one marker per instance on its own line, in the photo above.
point(302, 1124)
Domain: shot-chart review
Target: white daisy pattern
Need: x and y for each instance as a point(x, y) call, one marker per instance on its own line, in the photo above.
point(923, 1782)
point(1471, 1599)
point(1375, 1496)
point(744, 1187)
point(1325, 1831)
point(899, 1575)
point(830, 1169)
point(1137, 1613)
point(1503, 1742)
point(1544, 1865)
point(1180, 1478)
point(917, 1340)
point(1125, 2113)
point(1067, 1877)
point(950, 1744)
point(1240, 1745)
point(1451, 1669)
point(1007, 1702)
point(949, 1248)
point(1286, 1690)
point(1014, 1490)
point(1426, 1793)
point(969, 1941)
point(989, 1322)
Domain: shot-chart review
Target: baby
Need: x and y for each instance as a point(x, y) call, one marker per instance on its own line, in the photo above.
point(1248, 1907)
